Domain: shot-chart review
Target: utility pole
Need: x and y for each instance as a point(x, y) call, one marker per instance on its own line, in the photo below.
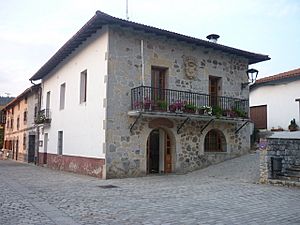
point(127, 17)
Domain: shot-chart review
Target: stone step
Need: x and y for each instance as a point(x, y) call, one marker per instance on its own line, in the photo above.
point(295, 168)
point(292, 173)
point(289, 178)
point(289, 183)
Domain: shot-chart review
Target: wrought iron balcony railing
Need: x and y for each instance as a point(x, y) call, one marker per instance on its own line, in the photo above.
point(43, 117)
point(151, 99)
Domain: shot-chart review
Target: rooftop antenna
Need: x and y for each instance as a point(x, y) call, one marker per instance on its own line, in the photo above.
point(127, 17)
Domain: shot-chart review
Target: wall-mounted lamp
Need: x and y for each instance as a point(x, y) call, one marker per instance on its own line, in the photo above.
point(252, 75)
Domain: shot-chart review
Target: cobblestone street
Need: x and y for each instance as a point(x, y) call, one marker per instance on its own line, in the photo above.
point(226, 193)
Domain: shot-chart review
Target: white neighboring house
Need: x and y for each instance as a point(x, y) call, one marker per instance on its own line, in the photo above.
point(274, 100)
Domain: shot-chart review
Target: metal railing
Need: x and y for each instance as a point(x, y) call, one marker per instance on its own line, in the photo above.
point(43, 116)
point(147, 98)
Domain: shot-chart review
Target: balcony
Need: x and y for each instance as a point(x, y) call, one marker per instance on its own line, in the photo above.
point(167, 102)
point(43, 117)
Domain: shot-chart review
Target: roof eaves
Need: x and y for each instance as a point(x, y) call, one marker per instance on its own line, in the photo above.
point(100, 19)
point(21, 96)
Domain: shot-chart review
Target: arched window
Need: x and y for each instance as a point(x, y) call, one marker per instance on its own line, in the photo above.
point(215, 141)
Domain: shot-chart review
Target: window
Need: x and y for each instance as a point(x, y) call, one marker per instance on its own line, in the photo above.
point(25, 117)
point(48, 100)
point(83, 86)
point(12, 123)
point(35, 111)
point(62, 96)
point(25, 100)
point(60, 143)
point(18, 123)
point(24, 141)
point(215, 141)
point(18, 105)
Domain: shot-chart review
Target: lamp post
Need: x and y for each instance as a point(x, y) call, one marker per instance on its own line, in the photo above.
point(252, 75)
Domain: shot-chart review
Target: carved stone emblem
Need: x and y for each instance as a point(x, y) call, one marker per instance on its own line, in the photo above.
point(190, 66)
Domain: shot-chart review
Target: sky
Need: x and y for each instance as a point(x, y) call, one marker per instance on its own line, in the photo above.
point(31, 31)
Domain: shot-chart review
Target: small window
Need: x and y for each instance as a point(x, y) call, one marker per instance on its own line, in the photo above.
point(25, 100)
point(215, 141)
point(24, 141)
point(35, 111)
point(18, 123)
point(83, 86)
point(62, 96)
point(60, 143)
point(25, 117)
point(12, 123)
point(48, 100)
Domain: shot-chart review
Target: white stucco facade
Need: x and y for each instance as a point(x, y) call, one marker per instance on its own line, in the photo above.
point(280, 101)
point(82, 123)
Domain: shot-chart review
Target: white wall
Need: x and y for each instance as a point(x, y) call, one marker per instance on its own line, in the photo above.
point(280, 101)
point(81, 123)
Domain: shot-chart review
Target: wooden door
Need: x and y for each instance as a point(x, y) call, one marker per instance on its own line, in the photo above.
point(17, 149)
point(158, 83)
point(153, 152)
point(213, 90)
point(168, 154)
point(31, 148)
point(258, 115)
point(45, 148)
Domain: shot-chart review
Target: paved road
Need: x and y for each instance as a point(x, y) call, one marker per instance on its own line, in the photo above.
point(226, 193)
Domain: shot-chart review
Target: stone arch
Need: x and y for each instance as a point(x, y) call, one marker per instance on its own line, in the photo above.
point(165, 135)
point(215, 141)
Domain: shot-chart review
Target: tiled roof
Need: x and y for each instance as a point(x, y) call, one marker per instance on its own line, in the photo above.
point(100, 19)
point(278, 78)
point(5, 100)
point(22, 96)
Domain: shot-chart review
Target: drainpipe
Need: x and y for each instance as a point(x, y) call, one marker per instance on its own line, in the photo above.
point(37, 145)
point(37, 138)
point(143, 64)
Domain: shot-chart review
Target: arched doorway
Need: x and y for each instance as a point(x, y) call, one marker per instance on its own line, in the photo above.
point(215, 141)
point(159, 152)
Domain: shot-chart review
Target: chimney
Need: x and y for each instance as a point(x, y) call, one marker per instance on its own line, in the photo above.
point(213, 38)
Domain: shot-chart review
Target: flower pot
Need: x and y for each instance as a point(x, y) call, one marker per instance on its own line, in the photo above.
point(147, 106)
point(172, 108)
point(201, 111)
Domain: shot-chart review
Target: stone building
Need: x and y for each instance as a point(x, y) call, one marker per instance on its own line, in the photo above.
point(20, 137)
point(3, 102)
point(126, 99)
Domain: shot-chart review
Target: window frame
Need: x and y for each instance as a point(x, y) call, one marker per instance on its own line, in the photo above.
point(60, 142)
point(62, 96)
point(83, 87)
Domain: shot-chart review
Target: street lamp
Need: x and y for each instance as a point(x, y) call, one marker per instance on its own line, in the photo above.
point(252, 75)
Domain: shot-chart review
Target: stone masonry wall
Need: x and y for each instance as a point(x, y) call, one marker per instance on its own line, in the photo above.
point(287, 149)
point(126, 152)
